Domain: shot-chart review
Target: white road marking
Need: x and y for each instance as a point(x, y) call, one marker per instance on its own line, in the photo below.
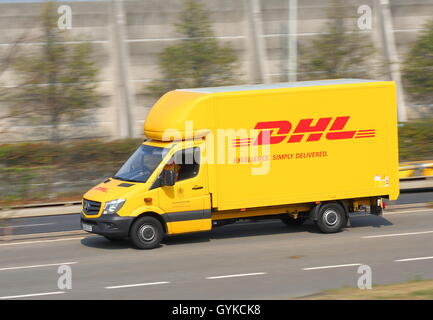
point(37, 266)
point(237, 275)
point(335, 266)
point(33, 295)
point(38, 241)
point(137, 285)
point(29, 225)
point(397, 234)
point(413, 259)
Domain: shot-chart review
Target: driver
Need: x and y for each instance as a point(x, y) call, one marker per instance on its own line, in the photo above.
point(175, 167)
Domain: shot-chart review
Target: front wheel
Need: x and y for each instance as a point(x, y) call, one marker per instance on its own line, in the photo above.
point(146, 233)
point(331, 218)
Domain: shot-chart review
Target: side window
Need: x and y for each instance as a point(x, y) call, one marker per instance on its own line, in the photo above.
point(187, 163)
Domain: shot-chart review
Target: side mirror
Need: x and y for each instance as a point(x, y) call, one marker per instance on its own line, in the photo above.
point(168, 178)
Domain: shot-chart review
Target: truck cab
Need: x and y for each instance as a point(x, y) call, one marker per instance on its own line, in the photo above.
point(166, 182)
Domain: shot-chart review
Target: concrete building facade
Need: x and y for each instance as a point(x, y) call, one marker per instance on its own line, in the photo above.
point(258, 31)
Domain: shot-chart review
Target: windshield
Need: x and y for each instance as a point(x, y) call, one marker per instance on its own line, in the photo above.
point(141, 164)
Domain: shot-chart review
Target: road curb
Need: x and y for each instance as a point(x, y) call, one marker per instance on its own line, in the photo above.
point(40, 211)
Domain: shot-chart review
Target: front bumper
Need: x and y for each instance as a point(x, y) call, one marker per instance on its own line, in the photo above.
point(108, 225)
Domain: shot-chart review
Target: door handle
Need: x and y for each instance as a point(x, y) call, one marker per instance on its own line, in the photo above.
point(197, 187)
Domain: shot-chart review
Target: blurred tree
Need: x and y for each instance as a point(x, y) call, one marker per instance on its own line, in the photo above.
point(416, 140)
point(57, 83)
point(418, 69)
point(6, 62)
point(341, 52)
point(198, 60)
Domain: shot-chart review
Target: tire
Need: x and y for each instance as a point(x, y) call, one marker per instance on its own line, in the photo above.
point(146, 233)
point(292, 222)
point(331, 218)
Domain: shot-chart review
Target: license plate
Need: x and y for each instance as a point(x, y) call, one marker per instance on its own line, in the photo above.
point(87, 227)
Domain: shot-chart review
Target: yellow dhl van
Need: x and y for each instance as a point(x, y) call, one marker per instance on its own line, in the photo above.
point(295, 151)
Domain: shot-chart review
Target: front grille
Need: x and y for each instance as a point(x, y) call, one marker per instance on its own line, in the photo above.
point(91, 207)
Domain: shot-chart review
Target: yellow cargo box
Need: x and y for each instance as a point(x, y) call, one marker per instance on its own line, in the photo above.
point(331, 139)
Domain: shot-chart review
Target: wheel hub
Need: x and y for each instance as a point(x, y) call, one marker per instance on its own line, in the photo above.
point(147, 233)
point(330, 217)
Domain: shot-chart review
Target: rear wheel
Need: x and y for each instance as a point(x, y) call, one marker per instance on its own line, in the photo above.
point(331, 218)
point(146, 233)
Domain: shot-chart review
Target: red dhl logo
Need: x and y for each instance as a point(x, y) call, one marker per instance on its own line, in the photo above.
point(304, 127)
point(101, 189)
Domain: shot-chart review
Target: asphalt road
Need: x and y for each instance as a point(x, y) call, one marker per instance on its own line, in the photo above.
point(259, 260)
point(414, 196)
point(71, 222)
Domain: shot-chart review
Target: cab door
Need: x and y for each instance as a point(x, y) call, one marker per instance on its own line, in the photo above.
point(187, 203)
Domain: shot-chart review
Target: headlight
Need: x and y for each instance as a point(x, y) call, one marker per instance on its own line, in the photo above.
point(113, 206)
